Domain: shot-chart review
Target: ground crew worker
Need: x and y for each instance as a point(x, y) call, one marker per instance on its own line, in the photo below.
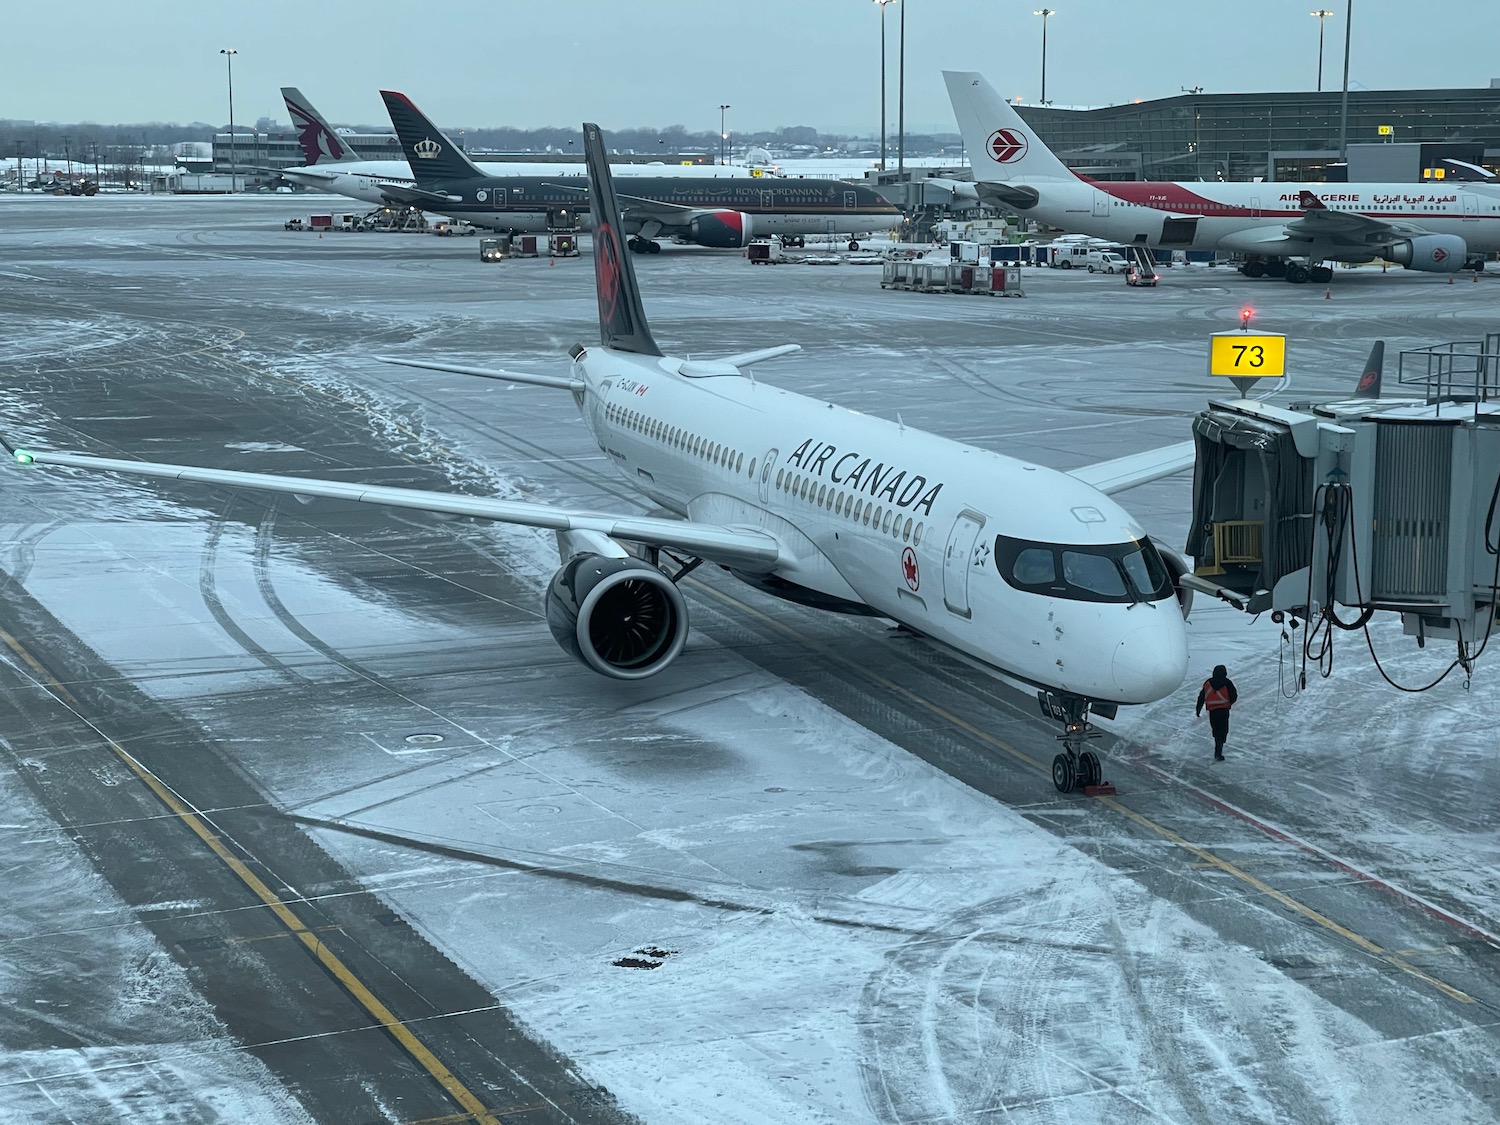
point(1218, 694)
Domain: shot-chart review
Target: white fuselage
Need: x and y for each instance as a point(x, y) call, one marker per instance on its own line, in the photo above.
point(880, 514)
point(1250, 217)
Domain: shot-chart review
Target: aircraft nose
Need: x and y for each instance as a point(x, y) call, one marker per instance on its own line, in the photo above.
point(1150, 663)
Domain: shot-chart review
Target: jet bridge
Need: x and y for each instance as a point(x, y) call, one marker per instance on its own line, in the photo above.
point(1372, 504)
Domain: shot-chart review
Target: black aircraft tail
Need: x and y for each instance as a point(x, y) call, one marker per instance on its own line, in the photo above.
point(432, 156)
point(622, 320)
point(1369, 382)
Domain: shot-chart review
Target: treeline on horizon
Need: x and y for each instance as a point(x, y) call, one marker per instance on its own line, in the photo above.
point(83, 138)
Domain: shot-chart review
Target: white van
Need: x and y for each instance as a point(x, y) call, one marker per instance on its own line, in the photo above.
point(1105, 261)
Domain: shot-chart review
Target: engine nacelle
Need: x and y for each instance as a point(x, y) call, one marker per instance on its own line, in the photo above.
point(1430, 253)
point(724, 229)
point(1176, 566)
point(622, 617)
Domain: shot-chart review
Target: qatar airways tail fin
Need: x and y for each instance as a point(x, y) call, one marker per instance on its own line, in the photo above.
point(1001, 147)
point(320, 144)
point(622, 319)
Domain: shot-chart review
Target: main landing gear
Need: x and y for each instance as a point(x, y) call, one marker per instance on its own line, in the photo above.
point(645, 245)
point(1076, 767)
point(1298, 273)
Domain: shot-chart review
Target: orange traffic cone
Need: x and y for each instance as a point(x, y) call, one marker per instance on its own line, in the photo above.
point(1450, 279)
point(1328, 294)
point(550, 262)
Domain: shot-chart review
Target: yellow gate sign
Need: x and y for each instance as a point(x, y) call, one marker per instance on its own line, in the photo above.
point(1247, 355)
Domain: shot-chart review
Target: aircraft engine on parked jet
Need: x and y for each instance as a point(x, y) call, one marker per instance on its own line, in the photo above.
point(723, 229)
point(622, 617)
point(1430, 253)
point(1177, 566)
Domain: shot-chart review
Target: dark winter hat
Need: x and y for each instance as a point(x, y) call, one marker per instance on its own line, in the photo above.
point(1220, 671)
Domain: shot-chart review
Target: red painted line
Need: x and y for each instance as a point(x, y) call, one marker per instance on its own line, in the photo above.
point(1409, 897)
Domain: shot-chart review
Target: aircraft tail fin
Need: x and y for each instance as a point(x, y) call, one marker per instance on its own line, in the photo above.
point(320, 144)
point(1001, 146)
point(1369, 381)
point(622, 319)
point(432, 155)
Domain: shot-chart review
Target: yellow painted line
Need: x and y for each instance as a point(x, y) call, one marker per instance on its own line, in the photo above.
point(413, 1046)
point(1205, 856)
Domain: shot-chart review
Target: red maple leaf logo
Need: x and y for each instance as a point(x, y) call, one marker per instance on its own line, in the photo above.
point(909, 569)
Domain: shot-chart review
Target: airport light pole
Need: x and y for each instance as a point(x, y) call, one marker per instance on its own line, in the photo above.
point(1044, 13)
point(901, 93)
point(882, 4)
point(1322, 14)
point(67, 157)
point(229, 53)
point(723, 135)
point(1344, 101)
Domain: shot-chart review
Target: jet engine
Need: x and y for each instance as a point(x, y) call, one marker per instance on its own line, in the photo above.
point(1176, 566)
point(622, 617)
point(724, 229)
point(1430, 253)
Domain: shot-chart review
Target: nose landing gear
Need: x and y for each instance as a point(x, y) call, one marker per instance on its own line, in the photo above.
point(1076, 767)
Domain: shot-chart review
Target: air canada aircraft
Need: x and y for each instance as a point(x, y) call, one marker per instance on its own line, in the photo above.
point(1284, 229)
point(1035, 573)
point(722, 213)
point(333, 166)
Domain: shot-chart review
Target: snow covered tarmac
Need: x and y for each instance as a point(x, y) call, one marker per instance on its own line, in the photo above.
point(863, 901)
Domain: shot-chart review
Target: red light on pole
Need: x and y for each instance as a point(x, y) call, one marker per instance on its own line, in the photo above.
point(1245, 315)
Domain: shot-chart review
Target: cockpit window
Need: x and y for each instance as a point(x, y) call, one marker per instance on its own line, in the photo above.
point(1115, 572)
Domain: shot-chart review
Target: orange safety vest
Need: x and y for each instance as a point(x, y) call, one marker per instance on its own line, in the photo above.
point(1215, 699)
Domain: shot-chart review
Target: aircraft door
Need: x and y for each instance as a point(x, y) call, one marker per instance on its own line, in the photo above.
point(765, 475)
point(1255, 206)
point(957, 561)
point(850, 201)
point(498, 195)
point(766, 203)
point(1471, 205)
point(1101, 205)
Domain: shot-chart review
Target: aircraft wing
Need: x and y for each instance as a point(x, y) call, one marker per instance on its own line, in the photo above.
point(745, 547)
point(418, 197)
point(1135, 469)
point(1320, 223)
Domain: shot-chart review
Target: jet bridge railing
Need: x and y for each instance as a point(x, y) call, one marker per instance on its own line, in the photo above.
point(1458, 371)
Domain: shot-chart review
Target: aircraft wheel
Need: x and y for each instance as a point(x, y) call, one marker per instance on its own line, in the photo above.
point(1090, 771)
point(1322, 274)
point(1297, 273)
point(637, 246)
point(1253, 269)
point(1064, 777)
point(653, 247)
point(853, 244)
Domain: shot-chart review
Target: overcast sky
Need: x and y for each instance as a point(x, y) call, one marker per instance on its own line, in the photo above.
point(632, 63)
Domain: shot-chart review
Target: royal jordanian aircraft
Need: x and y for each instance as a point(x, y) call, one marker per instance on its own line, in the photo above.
point(1283, 229)
point(332, 166)
point(723, 213)
point(1033, 572)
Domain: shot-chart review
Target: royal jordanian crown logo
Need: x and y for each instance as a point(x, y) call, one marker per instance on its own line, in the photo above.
point(427, 149)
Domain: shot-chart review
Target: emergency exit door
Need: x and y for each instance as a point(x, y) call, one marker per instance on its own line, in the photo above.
point(958, 560)
point(850, 201)
point(498, 196)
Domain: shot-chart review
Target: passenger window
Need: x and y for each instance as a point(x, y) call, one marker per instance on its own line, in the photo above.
point(752, 468)
point(916, 536)
point(779, 472)
point(822, 494)
point(889, 512)
point(906, 532)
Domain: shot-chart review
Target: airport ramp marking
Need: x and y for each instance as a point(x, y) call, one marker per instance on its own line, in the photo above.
point(473, 1108)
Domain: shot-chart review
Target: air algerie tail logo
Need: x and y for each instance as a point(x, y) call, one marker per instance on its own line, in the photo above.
point(1007, 146)
point(427, 149)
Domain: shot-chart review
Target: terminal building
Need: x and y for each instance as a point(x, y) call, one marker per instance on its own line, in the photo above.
point(1277, 136)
